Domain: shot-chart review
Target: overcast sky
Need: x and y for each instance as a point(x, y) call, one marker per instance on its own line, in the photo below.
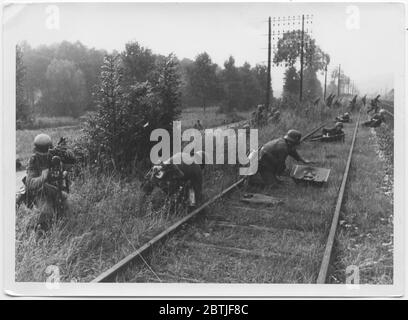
point(222, 29)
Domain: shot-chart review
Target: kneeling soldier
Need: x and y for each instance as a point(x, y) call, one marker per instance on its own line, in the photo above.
point(46, 181)
point(273, 154)
point(170, 176)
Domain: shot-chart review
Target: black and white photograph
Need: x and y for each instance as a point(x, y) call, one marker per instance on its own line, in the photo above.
point(204, 148)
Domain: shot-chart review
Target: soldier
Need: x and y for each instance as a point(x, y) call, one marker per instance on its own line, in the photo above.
point(170, 176)
point(374, 105)
point(376, 120)
point(336, 130)
point(273, 154)
point(260, 115)
point(198, 125)
point(353, 103)
point(329, 100)
point(364, 100)
point(43, 185)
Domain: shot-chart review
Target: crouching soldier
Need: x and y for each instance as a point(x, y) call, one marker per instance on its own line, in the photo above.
point(46, 182)
point(273, 154)
point(175, 174)
point(374, 105)
point(376, 120)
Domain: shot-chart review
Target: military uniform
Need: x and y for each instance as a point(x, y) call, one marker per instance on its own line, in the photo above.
point(336, 130)
point(374, 105)
point(375, 121)
point(170, 176)
point(364, 100)
point(39, 188)
point(272, 157)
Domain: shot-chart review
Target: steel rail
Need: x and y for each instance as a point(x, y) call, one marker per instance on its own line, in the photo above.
point(109, 274)
point(324, 267)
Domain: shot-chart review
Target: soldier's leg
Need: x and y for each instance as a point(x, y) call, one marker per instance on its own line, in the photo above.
point(46, 216)
point(269, 173)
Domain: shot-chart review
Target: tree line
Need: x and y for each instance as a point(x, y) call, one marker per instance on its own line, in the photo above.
point(61, 79)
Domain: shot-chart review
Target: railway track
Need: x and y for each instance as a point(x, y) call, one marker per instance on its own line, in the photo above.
point(237, 242)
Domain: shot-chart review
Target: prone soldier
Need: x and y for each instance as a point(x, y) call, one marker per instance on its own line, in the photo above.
point(376, 120)
point(344, 117)
point(374, 105)
point(336, 130)
point(273, 154)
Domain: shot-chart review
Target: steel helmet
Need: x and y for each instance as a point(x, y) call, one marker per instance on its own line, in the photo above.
point(42, 142)
point(293, 136)
point(339, 125)
point(347, 114)
point(382, 112)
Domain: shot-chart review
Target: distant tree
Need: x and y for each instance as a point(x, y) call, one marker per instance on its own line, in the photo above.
point(187, 97)
point(202, 80)
point(138, 63)
point(314, 60)
point(291, 82)
point(261, 74)
point(232, 86)
point(65, 92)
point(38, 59)
point(23, 112)
point(289, 51)
point(312, 88)
point(251, 87)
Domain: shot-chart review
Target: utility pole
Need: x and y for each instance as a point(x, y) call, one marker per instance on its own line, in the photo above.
point(268, 81)
point(325, 81)
point(338, 85)
point(301, 58)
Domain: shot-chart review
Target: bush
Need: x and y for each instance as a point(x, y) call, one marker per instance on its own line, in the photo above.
point(118, 135)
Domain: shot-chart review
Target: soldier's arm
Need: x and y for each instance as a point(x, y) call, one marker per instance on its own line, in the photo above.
point(35, 181)
point(295, 155)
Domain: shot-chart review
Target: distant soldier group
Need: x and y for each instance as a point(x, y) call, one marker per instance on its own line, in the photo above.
point(262, 115)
